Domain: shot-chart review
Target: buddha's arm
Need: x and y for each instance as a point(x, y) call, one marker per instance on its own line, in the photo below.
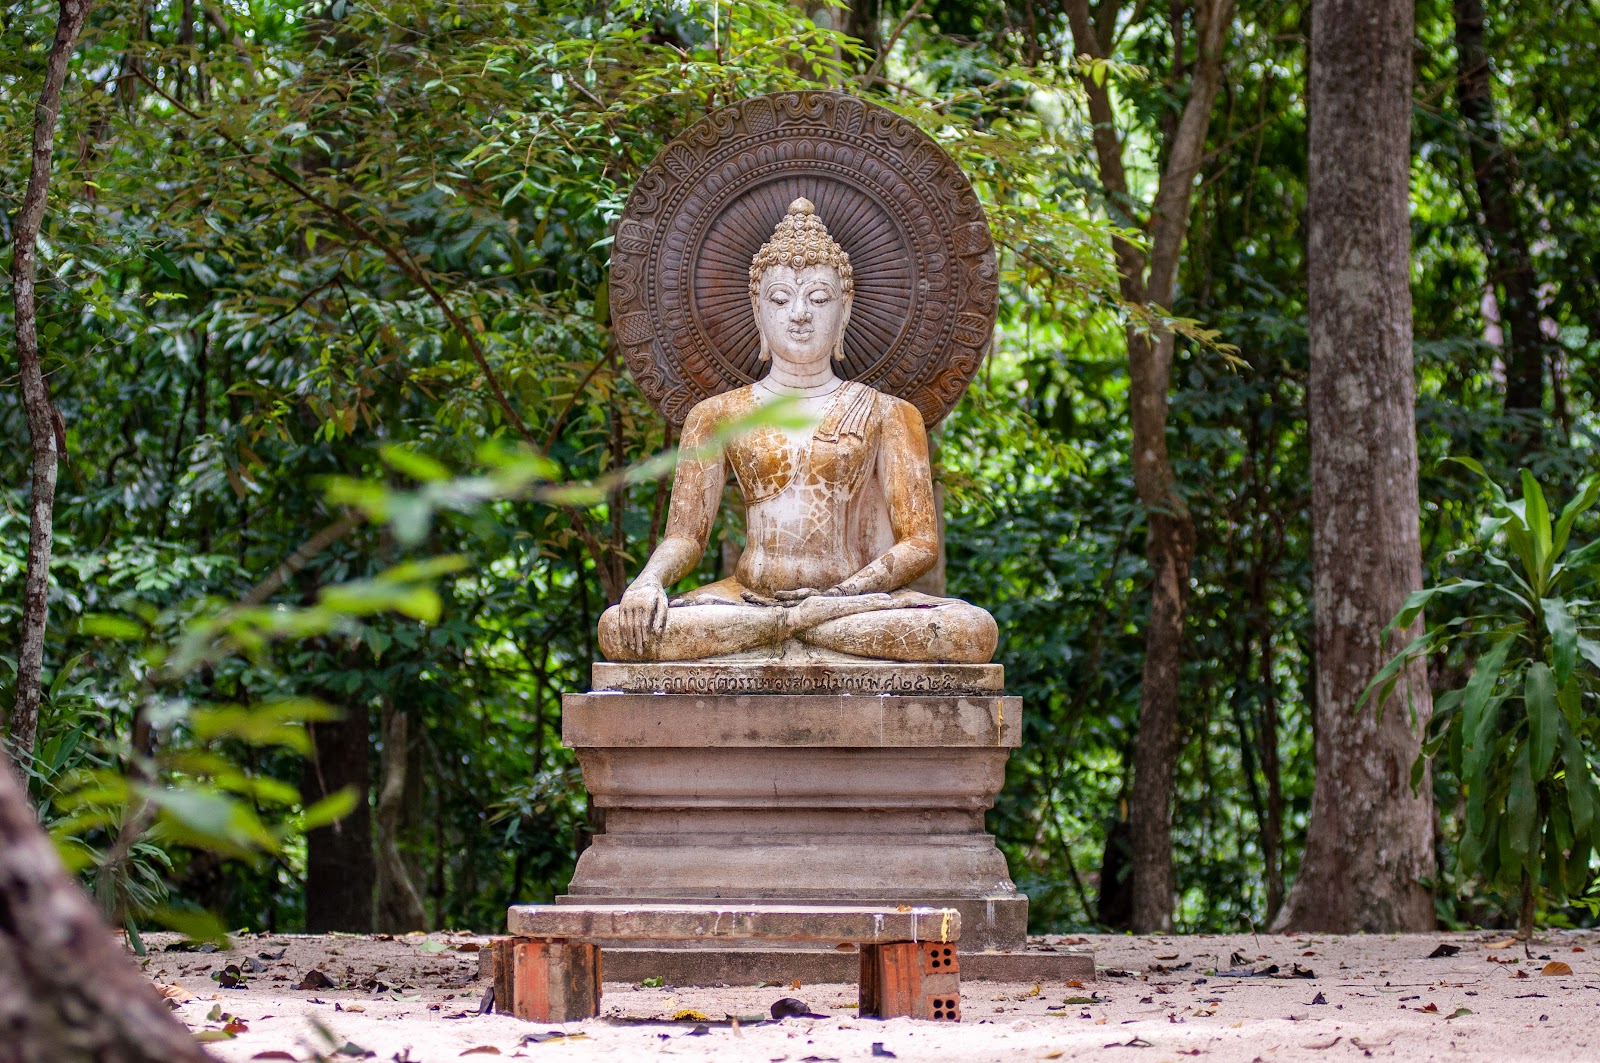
point(908, 483)
point(696, 490)
point(696, 494)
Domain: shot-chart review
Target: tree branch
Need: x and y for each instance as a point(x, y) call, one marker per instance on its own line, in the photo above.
point(41, 413)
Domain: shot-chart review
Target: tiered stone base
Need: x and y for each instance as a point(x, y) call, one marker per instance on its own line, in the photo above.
point(818, 797)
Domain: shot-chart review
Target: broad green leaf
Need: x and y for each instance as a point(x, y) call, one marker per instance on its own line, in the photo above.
point(418, 466)
point(1582, 798)
point(1544, 717)
point(107, 626)
point(1577, 869)
point(1522, 809)
point(1384, 681)
point(1588, 649)
point(1537, 515)
point(210, 820)
point(1416, 601)
point(1563, 629)
point(334, 807)
point(1473, 705)
point(1588, 494)
point(195, 924)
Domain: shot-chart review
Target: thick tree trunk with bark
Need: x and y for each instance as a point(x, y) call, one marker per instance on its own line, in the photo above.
point(340, 870)
point(400, 907)
point(1368, 842)
point(1505, 242)
point(1149, 276)
point(68, 993)
point(46, 434)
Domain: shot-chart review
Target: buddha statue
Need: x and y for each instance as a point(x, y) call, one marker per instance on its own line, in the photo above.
point(839, 515)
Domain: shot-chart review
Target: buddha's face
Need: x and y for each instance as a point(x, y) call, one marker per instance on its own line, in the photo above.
point(801, 313)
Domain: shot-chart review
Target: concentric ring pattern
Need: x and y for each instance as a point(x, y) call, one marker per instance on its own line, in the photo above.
point(919, 246)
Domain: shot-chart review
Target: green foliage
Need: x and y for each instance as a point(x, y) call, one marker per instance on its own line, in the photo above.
point(1520, 733)
point(275, 254)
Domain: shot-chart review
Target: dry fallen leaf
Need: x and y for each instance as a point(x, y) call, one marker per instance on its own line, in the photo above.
point(1506, 944)
point(1556, 967)
point(315, 979)
point(482, 1050)
point(276, 1053)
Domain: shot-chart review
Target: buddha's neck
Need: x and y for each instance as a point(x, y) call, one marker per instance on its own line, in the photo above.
point(786, 379)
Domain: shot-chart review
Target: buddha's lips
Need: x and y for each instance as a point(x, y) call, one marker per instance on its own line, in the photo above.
point(801, 333)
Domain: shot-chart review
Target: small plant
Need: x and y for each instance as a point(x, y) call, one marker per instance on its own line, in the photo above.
point(1521, 733)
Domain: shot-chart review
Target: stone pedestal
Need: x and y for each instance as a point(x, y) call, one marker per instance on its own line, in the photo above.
point(854, 783)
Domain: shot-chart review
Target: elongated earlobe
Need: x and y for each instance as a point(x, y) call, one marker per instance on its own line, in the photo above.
point(764, 355)
point(844, 326)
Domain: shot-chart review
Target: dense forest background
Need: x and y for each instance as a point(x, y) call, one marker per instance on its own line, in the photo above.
point(301, 259)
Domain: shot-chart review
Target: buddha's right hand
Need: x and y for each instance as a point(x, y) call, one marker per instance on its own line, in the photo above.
point(642, 614)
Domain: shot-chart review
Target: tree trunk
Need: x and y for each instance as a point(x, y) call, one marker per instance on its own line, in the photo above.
point(400, 907)
point(1170, 552)
point(340, 872)
point(68, 992)
point(1505, 243)
point(46, 433)
point(1149, 276)
point(1367, 844)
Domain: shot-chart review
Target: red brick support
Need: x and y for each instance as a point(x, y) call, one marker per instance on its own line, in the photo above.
point(544, 980)
point(909, 978)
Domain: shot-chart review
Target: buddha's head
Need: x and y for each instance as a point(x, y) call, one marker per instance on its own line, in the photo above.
point(801, 289)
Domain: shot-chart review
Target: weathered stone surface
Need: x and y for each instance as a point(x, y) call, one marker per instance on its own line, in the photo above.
point(709, 967)
point(661, 721)
point(799, 798)
point(710, 922)
point(783, 677)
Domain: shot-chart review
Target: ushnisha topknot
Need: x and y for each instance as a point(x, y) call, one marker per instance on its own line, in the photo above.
point(801, 240)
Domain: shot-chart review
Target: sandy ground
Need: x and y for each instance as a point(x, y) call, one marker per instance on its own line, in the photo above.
point(416, 999)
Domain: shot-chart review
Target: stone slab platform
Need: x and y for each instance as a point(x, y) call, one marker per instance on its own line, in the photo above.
point(785, 676)
point(665, 721)
point(836, 924)
point(681, 967)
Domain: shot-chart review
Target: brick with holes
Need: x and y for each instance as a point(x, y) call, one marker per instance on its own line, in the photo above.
point(917, 979)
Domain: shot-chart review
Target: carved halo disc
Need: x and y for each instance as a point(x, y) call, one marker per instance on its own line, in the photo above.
point(926, 285)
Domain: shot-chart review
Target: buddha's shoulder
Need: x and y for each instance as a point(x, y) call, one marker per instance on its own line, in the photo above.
point(893, 406)
point(727, 406)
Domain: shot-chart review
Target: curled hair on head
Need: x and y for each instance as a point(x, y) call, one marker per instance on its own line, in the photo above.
point(798, 241)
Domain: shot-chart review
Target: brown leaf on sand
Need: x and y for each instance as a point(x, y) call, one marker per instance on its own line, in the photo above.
point(315, 979)
point(1444, 951)
point(174, 992)
point(1330, 1044)
point(1556, 967)
point(1506, 944)
point(482, 1050)
point(276, 1053)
